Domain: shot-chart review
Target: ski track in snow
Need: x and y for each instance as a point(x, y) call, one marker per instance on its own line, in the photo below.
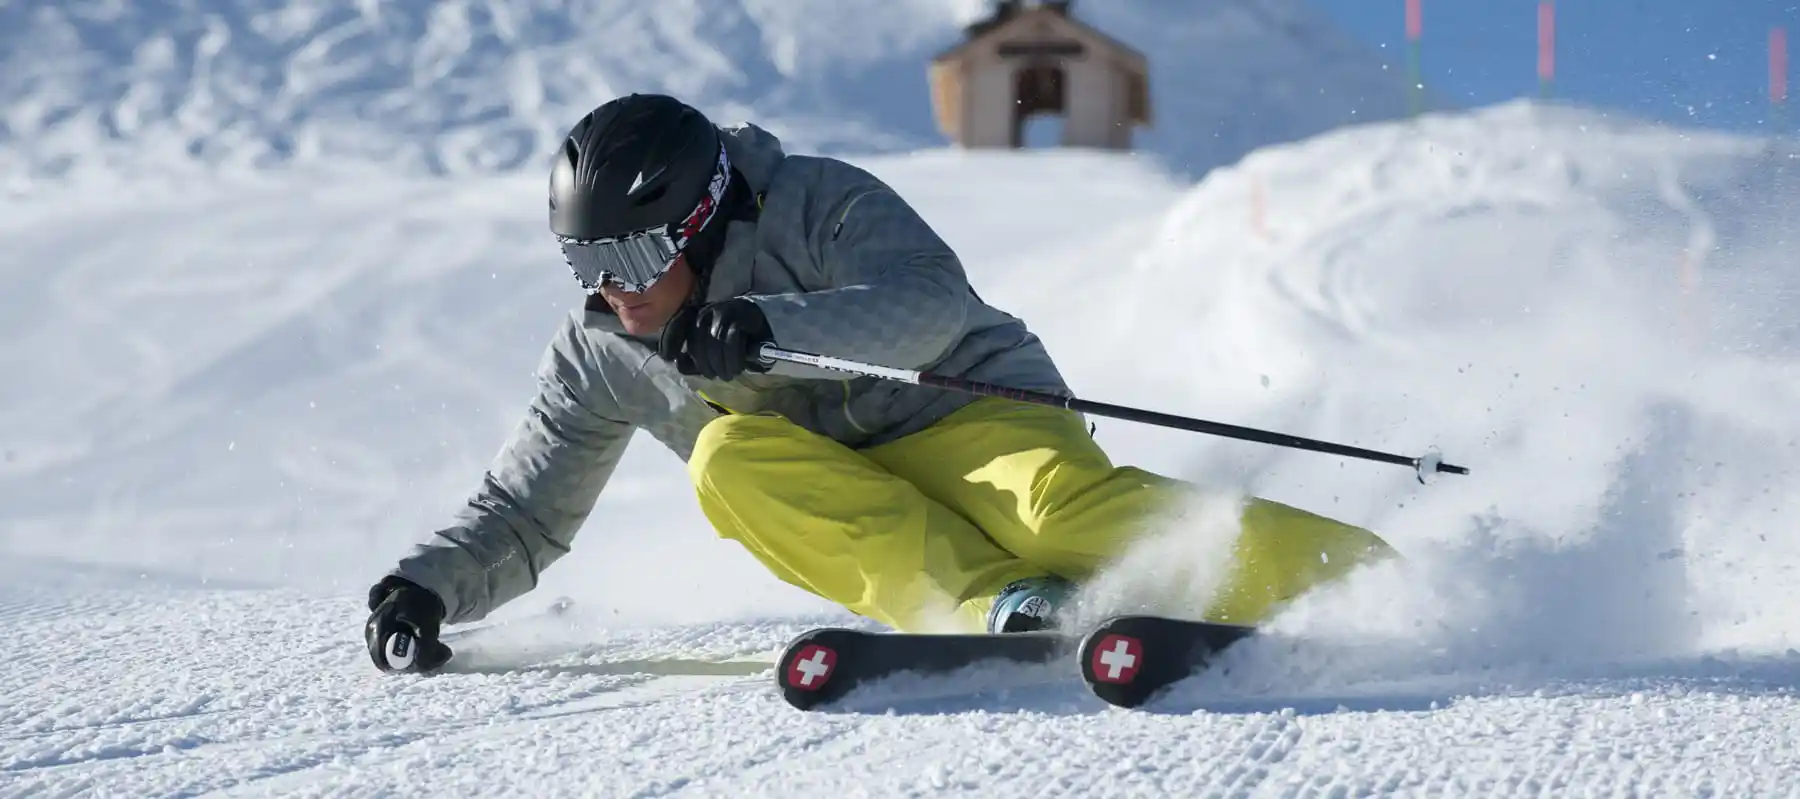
point(183, 691)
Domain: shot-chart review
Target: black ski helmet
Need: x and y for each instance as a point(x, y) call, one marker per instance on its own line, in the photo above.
point(636, 181)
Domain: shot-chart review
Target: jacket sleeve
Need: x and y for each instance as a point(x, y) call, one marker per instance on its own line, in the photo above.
point(535, 496)
point(897, 295)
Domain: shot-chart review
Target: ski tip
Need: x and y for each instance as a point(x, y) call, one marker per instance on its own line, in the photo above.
point(1127, 660)
point(806, 668)
point(806, 673)
point(1111, 665)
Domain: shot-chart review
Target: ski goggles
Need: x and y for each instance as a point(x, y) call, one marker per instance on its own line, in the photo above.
point(636, 261)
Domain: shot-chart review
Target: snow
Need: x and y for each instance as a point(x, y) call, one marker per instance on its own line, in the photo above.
point(198, 709)
point(153, 88)
point(232, 400)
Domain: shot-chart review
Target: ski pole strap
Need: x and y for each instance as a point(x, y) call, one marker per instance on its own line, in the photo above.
point(1425, 465)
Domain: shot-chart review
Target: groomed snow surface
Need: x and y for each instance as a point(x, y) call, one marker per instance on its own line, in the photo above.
point(230, 403)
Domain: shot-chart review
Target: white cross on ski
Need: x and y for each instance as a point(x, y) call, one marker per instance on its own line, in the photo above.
point(812, 668)
point(1118, 659)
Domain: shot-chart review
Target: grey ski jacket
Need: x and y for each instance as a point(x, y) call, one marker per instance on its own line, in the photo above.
point(839, 263)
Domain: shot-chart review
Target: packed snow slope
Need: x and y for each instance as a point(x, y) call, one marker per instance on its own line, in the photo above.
point(229, 405)
point(102, 87)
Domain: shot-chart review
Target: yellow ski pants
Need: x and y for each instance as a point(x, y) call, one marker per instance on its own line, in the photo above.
point(922, 532)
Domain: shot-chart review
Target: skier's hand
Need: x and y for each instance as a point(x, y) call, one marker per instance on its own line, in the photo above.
point(719, 341)
point(402, 632)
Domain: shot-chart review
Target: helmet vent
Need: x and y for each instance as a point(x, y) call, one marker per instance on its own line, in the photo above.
point(652, 195)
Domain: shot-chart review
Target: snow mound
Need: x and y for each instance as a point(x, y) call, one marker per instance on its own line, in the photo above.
point(1591, 314)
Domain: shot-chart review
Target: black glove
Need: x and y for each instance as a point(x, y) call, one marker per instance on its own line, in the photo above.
point(718, 341)
point(402, 632)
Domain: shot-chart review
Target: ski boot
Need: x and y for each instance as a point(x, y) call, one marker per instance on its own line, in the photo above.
point(1029, 605)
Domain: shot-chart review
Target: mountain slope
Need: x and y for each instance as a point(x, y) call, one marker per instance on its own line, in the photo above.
point(479, 85)
point(447, 87)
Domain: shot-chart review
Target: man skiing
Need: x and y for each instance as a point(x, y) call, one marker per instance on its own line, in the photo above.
point(907, 505)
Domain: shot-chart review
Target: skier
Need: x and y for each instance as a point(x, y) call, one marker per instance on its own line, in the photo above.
point(696, 244)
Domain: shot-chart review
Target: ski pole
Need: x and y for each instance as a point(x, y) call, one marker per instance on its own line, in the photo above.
point(1423, 465)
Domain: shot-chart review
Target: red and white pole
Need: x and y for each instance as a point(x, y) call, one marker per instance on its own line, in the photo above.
point(1415, 81)
point(1546, 62)
point(1778, 75)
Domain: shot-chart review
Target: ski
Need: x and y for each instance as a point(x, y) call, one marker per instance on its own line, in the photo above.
point(1127, 660)
point(823, 665)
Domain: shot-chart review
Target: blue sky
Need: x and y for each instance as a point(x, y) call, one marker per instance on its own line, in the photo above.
point(1696, 61)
